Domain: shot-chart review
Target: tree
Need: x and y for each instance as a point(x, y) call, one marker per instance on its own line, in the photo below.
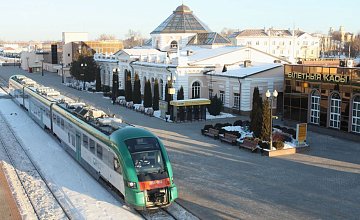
point(104, 37)
point(115, 86)
point(98, 82)
point(147, 95)
point(128, 86)
point(137, 90)
point(87, 72)
point(180, 93)
point(155, 103)
point(215, 106)
point(224, 69)
point(133, 38)
point(266, 120)
point(256, 113)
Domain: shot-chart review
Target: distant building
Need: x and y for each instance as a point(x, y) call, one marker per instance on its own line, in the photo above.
point(289, 44)
point(68, 37)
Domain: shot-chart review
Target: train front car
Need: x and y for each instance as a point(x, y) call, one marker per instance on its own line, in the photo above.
point(146, 169)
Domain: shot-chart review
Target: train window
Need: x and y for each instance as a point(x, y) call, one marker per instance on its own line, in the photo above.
point(54, 117)
point(62, 123)
point(117, 166)
point(92, 146)
point(99, 151)
point(85, 141)
point(58, 120)
point(68, 137)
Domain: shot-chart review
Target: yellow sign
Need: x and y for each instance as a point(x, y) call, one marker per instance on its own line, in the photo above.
point(301, 132)
point(338, 78)
point(190, 102)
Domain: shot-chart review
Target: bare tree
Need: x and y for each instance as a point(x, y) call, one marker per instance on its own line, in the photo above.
point(133, 38)
point(106, 37)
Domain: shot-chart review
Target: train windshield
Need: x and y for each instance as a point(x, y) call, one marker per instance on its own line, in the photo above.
point(146, 155)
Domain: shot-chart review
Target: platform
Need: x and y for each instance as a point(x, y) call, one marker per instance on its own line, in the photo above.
point(8, 208)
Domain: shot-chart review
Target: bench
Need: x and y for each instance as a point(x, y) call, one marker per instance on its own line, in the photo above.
point(230, 138)
point(249, 144)
point(212, 133)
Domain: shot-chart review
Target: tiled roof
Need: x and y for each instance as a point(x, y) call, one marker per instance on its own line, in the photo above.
point(265, 33)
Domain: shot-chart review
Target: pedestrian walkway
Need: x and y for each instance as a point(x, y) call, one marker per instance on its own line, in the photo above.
point(8, 208)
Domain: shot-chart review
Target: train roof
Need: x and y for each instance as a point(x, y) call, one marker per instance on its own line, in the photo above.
point(98, 119)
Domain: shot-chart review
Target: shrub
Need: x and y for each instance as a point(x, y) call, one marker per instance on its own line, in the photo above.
point(222, 131)
point(246, 123)
point(278, 137)
point(121, 92)
point(264, 145)
point(279, 145)
point(238, 123)
point(107, 94)
point(215, 106)
point(277, 126)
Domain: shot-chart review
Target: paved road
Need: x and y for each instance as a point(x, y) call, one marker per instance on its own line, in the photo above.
point(219, 181)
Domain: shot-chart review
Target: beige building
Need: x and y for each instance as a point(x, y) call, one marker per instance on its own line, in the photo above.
point(289, 44)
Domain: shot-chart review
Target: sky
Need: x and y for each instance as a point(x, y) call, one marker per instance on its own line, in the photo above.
point(47, 19)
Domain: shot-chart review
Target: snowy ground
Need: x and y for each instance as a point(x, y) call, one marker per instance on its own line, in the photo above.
point(89, 198)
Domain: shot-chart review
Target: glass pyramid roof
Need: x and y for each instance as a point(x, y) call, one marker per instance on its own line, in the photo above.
point(182, 20)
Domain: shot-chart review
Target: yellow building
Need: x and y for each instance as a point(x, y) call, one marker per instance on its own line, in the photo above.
point(105, 47)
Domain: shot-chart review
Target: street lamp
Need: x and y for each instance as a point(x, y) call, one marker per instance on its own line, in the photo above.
point(83, 66)
point(268, 95)
point(42, 67)
point(171, 79)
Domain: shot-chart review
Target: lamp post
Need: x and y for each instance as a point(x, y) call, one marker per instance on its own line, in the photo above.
point(171, 79)
point(83, 66)
point(268, 95)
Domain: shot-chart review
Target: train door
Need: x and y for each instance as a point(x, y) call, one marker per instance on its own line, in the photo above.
point(78, 146)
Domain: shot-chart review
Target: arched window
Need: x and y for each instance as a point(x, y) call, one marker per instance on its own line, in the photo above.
point(315, 107)
point(335, 111)
point(196, 90)
point(355, 125)
point(174, 44)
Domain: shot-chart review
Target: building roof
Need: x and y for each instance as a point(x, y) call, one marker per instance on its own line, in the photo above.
point(242, 72)
point(266, 33)
point(210, 38)
point(182, 20)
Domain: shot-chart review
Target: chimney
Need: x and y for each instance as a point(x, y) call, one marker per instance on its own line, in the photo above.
point(247, 63)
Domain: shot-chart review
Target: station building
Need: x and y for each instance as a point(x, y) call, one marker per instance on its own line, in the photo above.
point(323, 96)
point(183, 49)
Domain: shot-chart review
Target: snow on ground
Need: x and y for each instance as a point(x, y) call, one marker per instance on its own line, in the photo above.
point(222, 115)
point(244, 132)
point(90, 199)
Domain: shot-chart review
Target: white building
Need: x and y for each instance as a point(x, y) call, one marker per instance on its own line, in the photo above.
point(288, 44)
point(183, 49)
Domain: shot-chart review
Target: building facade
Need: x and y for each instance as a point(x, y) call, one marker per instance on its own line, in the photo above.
point(288, 44)
point(183, 52)
point(323, 96)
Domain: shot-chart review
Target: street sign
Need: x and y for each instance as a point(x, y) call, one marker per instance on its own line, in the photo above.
point(301, 132)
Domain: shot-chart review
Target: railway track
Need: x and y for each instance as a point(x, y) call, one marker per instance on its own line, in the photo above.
point(42, 197)
point(175, 211)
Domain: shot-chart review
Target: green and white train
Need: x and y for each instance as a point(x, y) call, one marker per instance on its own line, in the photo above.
point(133, 160)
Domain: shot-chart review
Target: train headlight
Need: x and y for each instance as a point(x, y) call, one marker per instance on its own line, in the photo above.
point(131, 184)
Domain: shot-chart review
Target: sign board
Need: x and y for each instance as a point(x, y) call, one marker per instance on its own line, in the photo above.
point(163, 107)
point(301, 132)
point(190, 102)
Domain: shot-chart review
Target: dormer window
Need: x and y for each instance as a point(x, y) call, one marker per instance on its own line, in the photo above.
point(174, 44)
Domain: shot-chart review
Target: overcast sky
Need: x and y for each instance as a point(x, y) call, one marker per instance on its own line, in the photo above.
point(47, 19)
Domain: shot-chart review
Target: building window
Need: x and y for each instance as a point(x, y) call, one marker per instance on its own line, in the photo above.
point(236, 100)
point(248, 43)
point(355, 126)
point(315, 107)
point(210, 93)
point(265, 43)
point(196, 90)
point(222, 96)
point(85, 141)
point(273, 42)
point(174, 44)
point(257, 43)
point(335, 104)
point(99, 151)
